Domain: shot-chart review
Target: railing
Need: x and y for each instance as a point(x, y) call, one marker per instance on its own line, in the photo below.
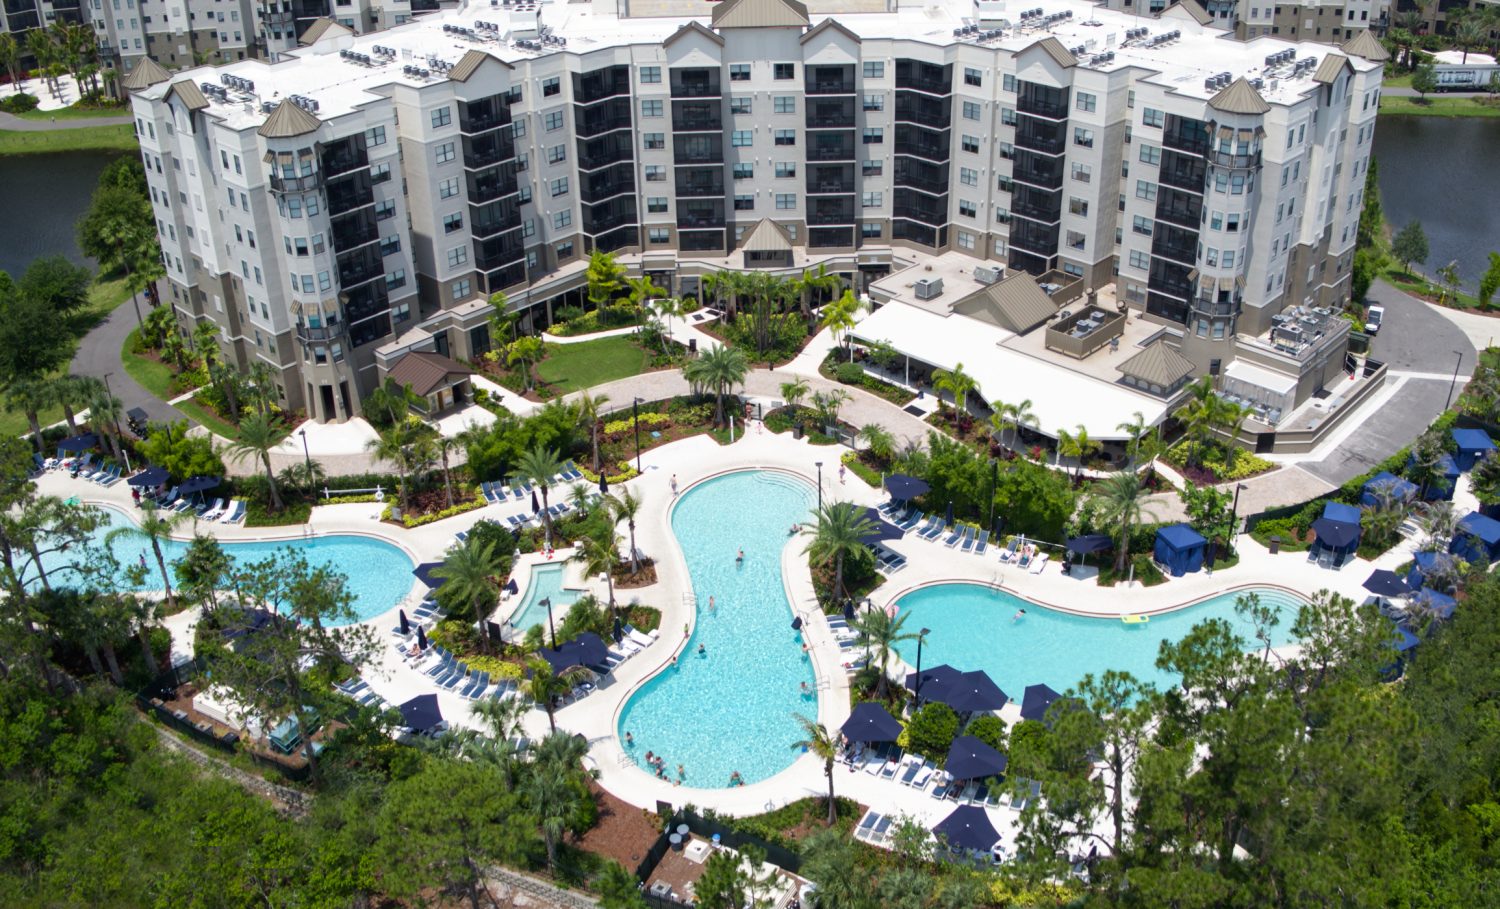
point(479, 124)
point(926, 150)
point(1226, 159)
point(829, 87)
point(1190, 179)
point(1039, 142)
point(699, 221)
point(323, 333)
point(1186, 253)
point(841, 152)
point(697, 121)
point(842, 120)
point(1036, 107)
point(695, 90)
point(1024, 208)
point(1182, 217)
point(1193, 143)
point(682, 155)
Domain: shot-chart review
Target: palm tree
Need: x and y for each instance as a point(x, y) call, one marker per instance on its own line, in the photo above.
point(720, 369)
point(1077, 445)
point(524, 351)
point(642, 290)
point(552, 793)
point(72, 393)
point(879, 441)
point(624, 507)
point(153, 526)
point(259, 434)
point(10, 58)
point(541, 465)
point(1121, 504)
point(1382, 518)
point(600, 556)
point(591, 413)
point(445, 445)
point(956, 382)
point(1469, 32)
point(879, 633)
point(710, 286)
point(794, 391)
point(578, 496)
point(473, 572)
point(1232, 419)
point(409, 447)
point(1199, 415)
point(389, 404)
point(813, 284)
point(824, 745)
point(841, 316)
point(544, 687)
point(105, 411)
point(838, 535)
point(29, 396)
point(1012, 417)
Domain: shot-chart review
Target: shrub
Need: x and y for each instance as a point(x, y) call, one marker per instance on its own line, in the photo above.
point(19, 103)
point(346, 500)
point(628, 424)
point(990, 730)
point(644, 618)
point(409, 521)
point(932, 730)
point(861, 469)
point(626, 470)
point(849, 373)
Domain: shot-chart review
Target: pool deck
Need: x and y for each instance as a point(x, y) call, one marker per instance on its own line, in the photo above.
point(693, 460)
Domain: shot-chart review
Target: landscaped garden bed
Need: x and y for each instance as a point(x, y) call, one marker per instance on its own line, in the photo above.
point(836, 366)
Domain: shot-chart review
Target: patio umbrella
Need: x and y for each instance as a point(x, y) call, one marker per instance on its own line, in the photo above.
point(421, 713)
point(797, 623)
point(151, 476)
point(81, 442)
point(590, 648)
point(971, 759)
point(536, 506)
point(948, 516)
point(1036, 700)
point(938, 675)
point(1090, 543)
point(405, 623)
point(973, 692)
point(881, 530)
point(424, 574)
point(1385, 583)
point(904, 487)
point(869, 722)
point(1337, 534)
point(619, 630)
point(511, 587)
point(603, 484)
point(197, 484)
point(421, 638)
point(849, 610)
point(968, 827)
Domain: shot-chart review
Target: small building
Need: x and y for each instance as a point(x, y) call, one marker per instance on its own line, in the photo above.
point(1473, 444)
point(1179, 549)
point(1338, 530)
point(1476, 538)
point(1441, 487)
point(443, 383)
point(1399, 488)
point(1426, 566)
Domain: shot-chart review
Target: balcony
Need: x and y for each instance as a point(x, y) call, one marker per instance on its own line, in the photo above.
point(1034, 238)
point(364, 302)
point(700, 218)
point(909, 205)
point(693, 183)
point(501, 278)
point(334, 332)
point(836, 178)
point(302, 184)
point(486, 151)
point(596, 153)
point(349, 194)
point(496, 183)
point(359, 269)
point(498, 252)
point(495, 217)
point(695, 83)
point(1177, 207)
point(1185, 135)
point(936, 186)
point(1040, 136)
point(830, 87)
point(343, 156)
point(699, 150)
point(831, 147)
point(936, 113)
point(599, 84)
point(831, 211)
point(606, 116)
point(1183, 253)
point(1182, 172)
point(1037, 207)
point(608, 220)
point(352, 232)
point(924, 77)
point(697, 116)
point(928, 150)
point(830, 114)
point(701, 240)
point(829, 80)
point(1227, 159)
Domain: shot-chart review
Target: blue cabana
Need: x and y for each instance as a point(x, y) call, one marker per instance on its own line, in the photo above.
point(1180, 548)
point(1476, 536)
point(1404, 490)
point(1426, 564)
point(1338, 528)
point(1338, 511)
point(1438, 605)
point(1472, 445)
point(1441, 488)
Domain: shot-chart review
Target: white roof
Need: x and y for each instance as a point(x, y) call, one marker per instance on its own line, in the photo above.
point(1260, 377)
point(1060, 397)
point(1457, 58)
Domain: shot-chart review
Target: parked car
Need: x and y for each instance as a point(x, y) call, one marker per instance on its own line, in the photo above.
point(1373, 319)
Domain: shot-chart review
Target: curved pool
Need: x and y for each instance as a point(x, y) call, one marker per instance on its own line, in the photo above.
point(972, 626)
point(733, 708)
point(378, 574)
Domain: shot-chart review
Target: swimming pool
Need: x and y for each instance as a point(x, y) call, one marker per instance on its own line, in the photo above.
point(733, 708)
point(546, 583)
point(378, 574)
point(971, 627)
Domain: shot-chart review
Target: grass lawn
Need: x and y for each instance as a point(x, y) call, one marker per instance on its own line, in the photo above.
point(1438, 106)
point(154, 376)
point(104, 297)
point(211, 421)
point(119, 138)
point(1420, 287)
point(74, 113)
point(569, 367)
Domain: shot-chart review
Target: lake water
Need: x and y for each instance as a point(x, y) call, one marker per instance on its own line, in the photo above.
point(1438, 171)
point(45, 195)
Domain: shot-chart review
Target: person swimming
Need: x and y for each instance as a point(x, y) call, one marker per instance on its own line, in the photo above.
point(1020, 614)
point(701, 651)
point(629, 739)
point(711, 606)
point(805, 689)
point(735, 779)
point(740, 559)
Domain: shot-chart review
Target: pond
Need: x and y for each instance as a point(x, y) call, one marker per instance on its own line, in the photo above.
point(45, 195)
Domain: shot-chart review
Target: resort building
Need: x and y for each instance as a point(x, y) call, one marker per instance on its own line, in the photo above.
point(1315, 20)
point(363, 196)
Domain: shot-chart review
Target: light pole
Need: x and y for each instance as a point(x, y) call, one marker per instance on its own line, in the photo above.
point(819, 465)
point(1234, 515)
point(635, 418)
point(1452, 386)
point(306, 455)
point(989, 523)
point(547, 601)
point(917, 695)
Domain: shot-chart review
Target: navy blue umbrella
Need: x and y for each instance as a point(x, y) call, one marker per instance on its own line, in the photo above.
point(1036, 700)
point(1337, 534)
point(901, 486)
point(425, 575)
point(603, 484)
point(869, 722)
point(849, 610)
point(933, 679)
point(949, 514)
point(511, 587)
point(971, 759)
point(405, 623)
point(972, 692)
point(197, 484)
point(81, 442)
point(619, 630)
point(1089, 543)
point(421, 638)
point(1386, 583)
point(536, 505)
point(968, 827)
point(151, 476)
point(585, 650)
point(881, 529)
point(421, 713)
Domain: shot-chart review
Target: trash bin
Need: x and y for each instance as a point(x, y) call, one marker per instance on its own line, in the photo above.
point(692, 345)
point(796, 430)
point(1275, 544)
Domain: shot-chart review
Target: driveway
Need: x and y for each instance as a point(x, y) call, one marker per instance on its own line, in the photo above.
point(98, 355)
point(1418, 337)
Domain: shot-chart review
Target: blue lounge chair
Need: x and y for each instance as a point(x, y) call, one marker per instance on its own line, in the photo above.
point(866, 824)
point(910, 521)
point(933, 532)
point(983, 544)
point(955, 536)
point(878, 834)
point(968, 544)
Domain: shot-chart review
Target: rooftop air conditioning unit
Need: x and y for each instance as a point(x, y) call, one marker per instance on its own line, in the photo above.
point(985, 275)
point(929, 288)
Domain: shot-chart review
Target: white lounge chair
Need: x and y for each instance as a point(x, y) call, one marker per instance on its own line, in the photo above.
point(235, 513)
point(215, 511)
point(1039, 562)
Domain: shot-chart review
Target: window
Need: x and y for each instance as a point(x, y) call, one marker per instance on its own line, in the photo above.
point(385, 208)
point(972, 76)
point(325, 281)
point(460, 288)
point(294, 206)
point(786, 201)
point(453, 222)
point(1150, 154)
point(872, 200)
point(1075, 240)
point(873, 135)
point(967, 208)
point(658, 235)
point(562, 219)
point(445, 153)
point(1008, 82)
point(656, 205)
point(874, 70)
point(395, 279)
point(784, 104)
point(1139, 259)
point(968, 176)
point(1083, 137)
point(557, 154)
point(656, 173)
point(518, 128)
point(1237, 184)
point(1232, 222)
point(528, 228)
point(744, 172)
point(651, 75)
point(559, 187)
point(1228, 258)
point(374, 136)
point(1007, 151)
point(1212, 257)
point(744, 203)
point(741, 138)
point(1216, 220)
point(1007, 117)
point(971, 110)
point(784, 71)
point(1077, 206)
point(874, 102)
point(655, 140)
point(551, 86)
point(786, 137)
point(1152, 117)
point(448, 188)
point(870, 230)
point(970, 144)
point(1145, 190)
point(872, 168)
point(650, 109)
point(739, 72)
point(379, 173)
point(1085, 101)
point(564, 250)
point(1083, 173)
point(524, 195)
point(741, 105)
point(554, 119)
point(401, 313)
point(786, 168)
point(442, 116)
point(457, 256)
point(1143, 226)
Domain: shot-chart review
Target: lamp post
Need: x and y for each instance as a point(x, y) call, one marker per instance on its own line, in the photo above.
point(917, 695)
point(1452, 386)
point(994, 479)
point(635, 418)
point(819, 465)
point(547, 601)
point(306, 455)
point(1234, 515)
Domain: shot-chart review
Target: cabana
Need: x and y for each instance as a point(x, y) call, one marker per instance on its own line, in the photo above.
point(1472, 444)
point(1337, 530)
point(1404, 490)
point(1427, 565)
point(1476, 537)
point(1179, 548)
point(1442, 486)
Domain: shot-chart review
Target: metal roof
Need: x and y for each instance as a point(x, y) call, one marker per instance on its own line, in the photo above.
point(1016, 304)
point(146, 74)
point(1329, 69)
point(694, 27)
point(1366, 45)
point(189, 92)
point(470, 62)
point(1158, 364)
point(1055, 49)
point(760, 14)
point(288, 120)
point(766, 236)
point(827, 24)
point(1191, 7)
point(320, 29)
point(1240, 97)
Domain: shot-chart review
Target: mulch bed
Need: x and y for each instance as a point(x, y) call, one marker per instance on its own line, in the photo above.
point(624, 832)
point(624, 580)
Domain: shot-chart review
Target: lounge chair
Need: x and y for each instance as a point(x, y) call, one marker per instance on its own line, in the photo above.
point(878, 834)
point(866, 824)
point(235, 513)
point(113, 478)
point(958, 534)
point(1038, 563)
point(1025, 559)
point(488, 491)
point(932, 532)
point(571, 472)
point(968, 544)
point(910, 521)
point(213, 511)
point(912, 769)
point(1008, 554)
point(983, 543)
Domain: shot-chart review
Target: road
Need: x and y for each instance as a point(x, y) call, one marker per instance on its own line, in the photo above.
point(98, 355)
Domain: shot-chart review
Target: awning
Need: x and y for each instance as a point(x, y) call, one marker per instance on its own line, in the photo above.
point(1089, 543)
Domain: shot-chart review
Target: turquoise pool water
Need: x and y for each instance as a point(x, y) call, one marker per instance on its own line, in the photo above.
point(733, 708)
point(378, 574)
point(546, 583)
point(971, 627)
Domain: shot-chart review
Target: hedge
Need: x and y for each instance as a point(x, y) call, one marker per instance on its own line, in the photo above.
point(410, 521)
point(862, 470)
point(346, 500)
point(627, 472)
